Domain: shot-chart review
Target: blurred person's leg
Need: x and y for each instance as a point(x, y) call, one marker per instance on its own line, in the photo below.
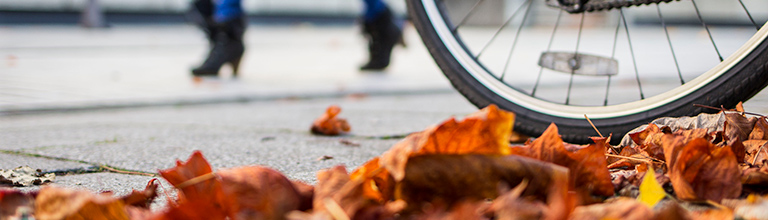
point(228, 24)
point(201, 14)
point(382, 32)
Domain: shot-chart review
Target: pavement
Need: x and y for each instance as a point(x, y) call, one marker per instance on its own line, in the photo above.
point(75, 99)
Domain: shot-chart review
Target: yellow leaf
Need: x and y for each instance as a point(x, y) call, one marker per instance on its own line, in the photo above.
point(650, 190)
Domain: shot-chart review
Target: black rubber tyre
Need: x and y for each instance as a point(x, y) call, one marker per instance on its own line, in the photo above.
point(745, 78)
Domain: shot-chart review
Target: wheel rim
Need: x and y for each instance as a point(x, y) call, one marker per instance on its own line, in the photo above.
point(502, 89)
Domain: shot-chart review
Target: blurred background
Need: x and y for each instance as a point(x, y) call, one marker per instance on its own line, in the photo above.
point(295, 48)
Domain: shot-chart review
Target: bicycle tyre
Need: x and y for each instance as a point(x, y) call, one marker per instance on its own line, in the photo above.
point(736, 79)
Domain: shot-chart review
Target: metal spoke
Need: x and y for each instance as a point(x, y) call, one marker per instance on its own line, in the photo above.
point(514, 43)
point(549, 46)
point(749, 15)
point(613, 55)
point(466, 17)
point(669, 41)
point(575, 53)
point(632, 51)
point(698, 14)
point(501, 28)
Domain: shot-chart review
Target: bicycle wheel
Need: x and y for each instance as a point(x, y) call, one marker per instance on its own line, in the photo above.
point(517, 78)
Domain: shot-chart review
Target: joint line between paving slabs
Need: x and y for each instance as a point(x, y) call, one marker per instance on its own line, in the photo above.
point(97, 168)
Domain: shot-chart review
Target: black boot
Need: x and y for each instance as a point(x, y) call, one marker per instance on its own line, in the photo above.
point(227, 47)
point(382, 34)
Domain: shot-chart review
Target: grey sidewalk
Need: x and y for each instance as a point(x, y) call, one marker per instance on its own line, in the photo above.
point(63, 67)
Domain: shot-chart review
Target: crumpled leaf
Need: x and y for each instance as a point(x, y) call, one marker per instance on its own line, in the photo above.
point(484, 132)
point(335, 185)
point(462, 210)
point(377, 183)
point(60, 203)
point(760, 130)
point(329, 124)
point(738, 126)
point(702, 170)
point(445, 180)
point(587, 165)
point(256, 192)
point(15, 204)
point(651, 191)
point(142, 199)
point(711, 122)
point(755, 151)
point(250, 192)
point(24, 176)
point(623, 208)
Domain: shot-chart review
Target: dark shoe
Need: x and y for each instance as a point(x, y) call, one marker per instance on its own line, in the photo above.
point(382, 34)
point(227, 48)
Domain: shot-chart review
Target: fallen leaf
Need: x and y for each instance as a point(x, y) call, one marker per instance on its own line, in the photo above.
point(24, 176)
point(760, 130)
point(349, 143)
point(651, 191)
point(623, 208)
point(445, 180)
point(239, 193)
point(257, 192)
point(738, 126)
point(329, 124)
point(15, 204)
point(484, 132)
point(142, 199)
point(705, 171)
point(60, 203)
point(588, 167)
point(755, 151)
point(378, 185)
point(336, 185)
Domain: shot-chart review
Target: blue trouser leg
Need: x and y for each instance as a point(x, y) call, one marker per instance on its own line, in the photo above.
point(373, 8)
point(226, 10)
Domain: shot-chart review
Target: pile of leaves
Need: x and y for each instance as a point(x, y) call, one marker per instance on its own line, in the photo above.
point(467, 170)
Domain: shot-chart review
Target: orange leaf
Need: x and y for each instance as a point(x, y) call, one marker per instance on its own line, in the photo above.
point(623, 208)
point(587, 165)
point(59, 203)
point(329, 124)
point(738, 126)
point(196, 166)
point(334, 187)
point(705, 171)
point(483, 132)
point(255, 192)
point(377, 183)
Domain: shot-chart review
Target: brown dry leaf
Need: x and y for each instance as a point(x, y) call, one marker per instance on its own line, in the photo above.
point(15, 204)
point(755, 151)
point(335, 185)
point(59, 203)
point(705, 171)
point(511, 206)
point(760, 131)
point(738, 126)
point(461, 211)
point(142, 199)
point(587, 165)
point(306, 192)
point(484, 132)
point(445, 180)
point(329, 124)
point(193, 210)
point(256, 192)
point(622, 208)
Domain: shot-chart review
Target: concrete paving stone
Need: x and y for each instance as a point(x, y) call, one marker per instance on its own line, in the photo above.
point(275, 134)
point(10, 161)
